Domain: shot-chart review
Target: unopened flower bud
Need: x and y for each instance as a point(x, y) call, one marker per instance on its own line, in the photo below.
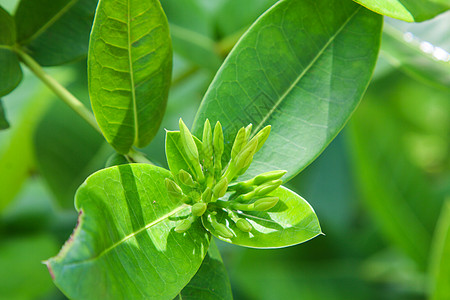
point(244, 225)
point(245, 157)
point(248, 131)
point(186, 178)
point(183, 226)
point(239, 143)
point(218, 140)
point(262, 136)
point(222, 230)
point(267, 187)
point(220, 188)
point(268, 176)
point(206, 195)
point(173, 190)
point(188, 141)
point(198, 209)
point(207, 144)
point(264, 204)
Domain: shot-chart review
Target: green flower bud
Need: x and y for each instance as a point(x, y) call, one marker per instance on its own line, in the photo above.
point(267, 187)
point(186, 178)
point(264, 204)
point(188, 142)
point(242, 206)
point(244, 225)
point(198, 209)
point(207, 144)
point(173, 190)
point(207, 194)
point(245, 157)
point(183, 226)
point(268, 176)
point(218, 140)
point(248, 131)
point(220, 188)
point(262, 136)
point(239, 142)
point(222, 230)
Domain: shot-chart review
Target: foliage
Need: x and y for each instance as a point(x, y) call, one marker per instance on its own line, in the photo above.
point(289, 74)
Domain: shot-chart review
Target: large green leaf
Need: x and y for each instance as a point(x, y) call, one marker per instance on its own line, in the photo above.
point(440, 256)
point(298, 71)
point(124, 246)
point(3, 121)
point(407, 10)
point(55, 31)
point(290, 222)
point(211, 281)
point(130, 65)
point(192, 32)
point(11, 74)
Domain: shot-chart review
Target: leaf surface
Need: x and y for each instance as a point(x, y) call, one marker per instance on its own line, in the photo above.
point(211, 281)
point(11, 73)
point(292, 221)
point(440, 256)
point(407, 10)
point(298, 71)
point(130, 65)
point(124, 245)
point(55, 31)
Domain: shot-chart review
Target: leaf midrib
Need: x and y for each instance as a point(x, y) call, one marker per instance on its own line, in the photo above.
point(133, 89)
point(50, 22)
point(133, 234)
point(308, 67)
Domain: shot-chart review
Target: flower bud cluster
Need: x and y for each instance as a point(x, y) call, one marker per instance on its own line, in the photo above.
point(207, 183)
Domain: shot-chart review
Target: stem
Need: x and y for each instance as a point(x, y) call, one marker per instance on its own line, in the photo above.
point(138, 157)
point(58, 89)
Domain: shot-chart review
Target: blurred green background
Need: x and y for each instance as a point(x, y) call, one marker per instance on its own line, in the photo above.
point(378, 189)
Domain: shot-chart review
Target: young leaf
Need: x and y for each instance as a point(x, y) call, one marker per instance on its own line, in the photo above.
point(440, 257)
point(55, 31)
point(130, 65)
point(290, 222)
point(11, 73)
point(176, 156)
point(3, 121)
point(211, 281)
point(124, 245)
point(298, 71)
point(407, 10)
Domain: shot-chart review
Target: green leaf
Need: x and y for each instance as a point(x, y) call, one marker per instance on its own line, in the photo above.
point(407, 10)
point(3, 121)
point(11, 73)
point(55, 31)
point(298, 71)
point(211, 281)
point(130, 65)
point(290, 222)
point(22, 275)
point(124, 245)
point(176, 156)
point(193, 37)
point(440, 256)
point(409, 58)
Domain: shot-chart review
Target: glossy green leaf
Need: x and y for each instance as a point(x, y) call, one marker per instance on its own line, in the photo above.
point(192, 32)
point(3, 121)
point(440, 257)
point(22, 275)
point(292, 221)
point(211, 281)
point(407, 10)
point(409, 58)
point(130, 65)
point(55, 31)
point(298, 71)
point(124, 245)
point(11, 73)
point(176, 156)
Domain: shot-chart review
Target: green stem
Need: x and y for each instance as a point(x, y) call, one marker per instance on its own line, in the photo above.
point(58, 89)
point(138, 157)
